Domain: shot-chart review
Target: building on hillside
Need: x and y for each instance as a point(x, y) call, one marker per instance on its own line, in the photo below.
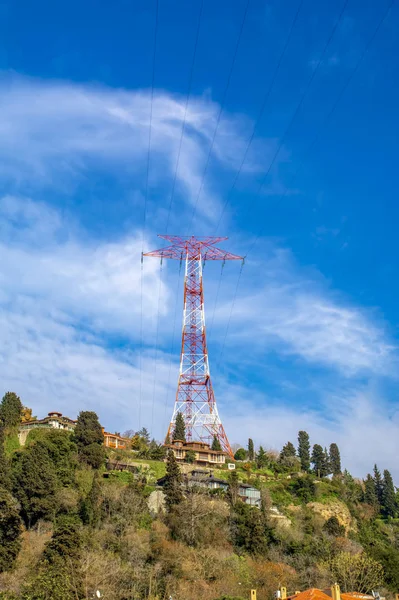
point(115, 441)
point(249, 494)
point(204, 455)
point(54, 420)
point(333, 593)
point(205, 480)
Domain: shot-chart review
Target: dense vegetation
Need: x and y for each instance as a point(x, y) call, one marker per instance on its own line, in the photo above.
point(69, 527)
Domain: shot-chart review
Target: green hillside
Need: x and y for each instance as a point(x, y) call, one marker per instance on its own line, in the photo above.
point(70, 527)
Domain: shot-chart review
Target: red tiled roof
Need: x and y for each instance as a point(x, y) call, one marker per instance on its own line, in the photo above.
point(311, 594)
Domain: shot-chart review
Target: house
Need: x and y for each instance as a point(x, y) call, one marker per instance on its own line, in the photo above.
point(204, 455)
point(115, 441)
point(54, 420)
point(249, 495)
point(205, 479)
point(333, 593)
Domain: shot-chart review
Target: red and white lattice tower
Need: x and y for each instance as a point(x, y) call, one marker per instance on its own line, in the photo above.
point(195, 398)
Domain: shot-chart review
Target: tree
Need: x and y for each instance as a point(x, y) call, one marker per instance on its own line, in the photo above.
point(90, 506)
point(216, 444)
point(173, 482)
point(333, 527)
point(10, 531)
point(249, 529)
point(370, 495)
point(251, 450)
point(288, 451)
point(378, 484)
point(144, 435)
point(240, 454)
point(4, 466)
point(356, 572)
point(304, 450)
point(179, 432)
point(335, 460)
point(10, 410)
point(89, 439)
point(58, 575)
point(62, 451)
point(234, 487)
point(261, 458)
point(319, 461)
point(190, 456)
point(34, 483)
point(389, 506)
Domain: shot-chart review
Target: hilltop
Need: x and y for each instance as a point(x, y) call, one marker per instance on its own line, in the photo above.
point(72, 523)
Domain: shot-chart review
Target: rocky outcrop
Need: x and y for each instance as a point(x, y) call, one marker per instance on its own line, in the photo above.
point(334, 508)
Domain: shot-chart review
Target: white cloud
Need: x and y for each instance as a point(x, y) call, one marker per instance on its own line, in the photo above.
point(96, 284)
point(296, 313)
point(358, 419)
point(53, 133)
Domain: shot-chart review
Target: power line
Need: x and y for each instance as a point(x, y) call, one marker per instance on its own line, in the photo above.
point(190, 81)
point(145, 203)
point(156, 350)
point(215, 304)
point(300, 103)
point(332, 110)
point(224, 96)
point(261, 111)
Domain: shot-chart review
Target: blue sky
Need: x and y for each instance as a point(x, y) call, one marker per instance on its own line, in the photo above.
point(309, 340)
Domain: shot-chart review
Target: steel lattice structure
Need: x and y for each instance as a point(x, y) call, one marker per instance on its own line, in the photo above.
point(195, 398)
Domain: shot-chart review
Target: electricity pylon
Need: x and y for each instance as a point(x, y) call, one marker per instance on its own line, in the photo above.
point(195, 398)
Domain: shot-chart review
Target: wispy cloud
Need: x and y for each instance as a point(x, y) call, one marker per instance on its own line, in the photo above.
point(53, 133)
point(295, 312)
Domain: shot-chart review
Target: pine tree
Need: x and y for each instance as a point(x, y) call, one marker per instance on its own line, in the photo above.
point(10, 410)
point(173, 482)
point(304, 450)
point(251, 450)
point(216, 444)
point(319, 461)
point(370, 495)
point(288, 451)
point(261, 458)
point(378, 484)
point(10, 531)
point(335, 460)
point(179, 432)
point(89, 439)
point(144, 435)
point(4, 466)
point(389, 506)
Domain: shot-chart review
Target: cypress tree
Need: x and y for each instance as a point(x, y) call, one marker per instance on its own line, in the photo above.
point(216, 444)
point(370, 496)
point(335, 460)
point(288, 451)
point(251, 450)
point(261, 458)
point(173, 482)
point(89, 439)
point(319, 461)
point(10, 531)
point(378, 484)
point(90, 507)
point(4, 466)
point(10, 410)
point(304, 450)
point(389, 506)
point(179, 432)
